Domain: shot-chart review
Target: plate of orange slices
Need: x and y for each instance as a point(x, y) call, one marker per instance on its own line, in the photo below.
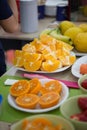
point(42, 95)
point(44, 55)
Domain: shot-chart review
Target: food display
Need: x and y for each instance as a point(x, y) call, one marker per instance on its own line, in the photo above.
point(82, 116)
point(29, 94)
point(45, 54)
point(41, 95)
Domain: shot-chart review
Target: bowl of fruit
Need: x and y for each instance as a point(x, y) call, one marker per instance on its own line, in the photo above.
point(75, 110)
point(82, 82)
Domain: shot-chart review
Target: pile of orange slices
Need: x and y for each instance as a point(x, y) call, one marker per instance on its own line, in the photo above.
point(30, 93)
point(45, 53)
point(40, 124)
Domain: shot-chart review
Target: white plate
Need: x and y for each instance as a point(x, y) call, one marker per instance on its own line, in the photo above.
point(58, 70)
point(64, 96)
point(79, 53)
point(76, 66)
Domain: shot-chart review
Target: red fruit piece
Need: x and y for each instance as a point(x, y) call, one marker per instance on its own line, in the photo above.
point(82, 103)
point(80, 117)
point(84, 84)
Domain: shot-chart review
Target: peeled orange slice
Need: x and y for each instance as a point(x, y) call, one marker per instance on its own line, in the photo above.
point(49, 99)
point(51, 86)
point(32, 65)
point(51, 65)
point(27, 100)
point(29, 48)
point(19, 60)
point(40, 123)
point(19, 88)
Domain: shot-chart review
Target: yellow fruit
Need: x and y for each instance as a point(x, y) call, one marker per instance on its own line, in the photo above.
point(80, 42)
point(83, 26)
point(72, 32)
point(64, 25)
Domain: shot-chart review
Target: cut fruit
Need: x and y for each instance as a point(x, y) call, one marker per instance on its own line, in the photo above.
point(32, 66)
point(19, 88)
point(27, 101)
point(51, 65)
point(51, 86)
point(19, 60)
point(29, 48)
point(35, 86)
point(49, 99)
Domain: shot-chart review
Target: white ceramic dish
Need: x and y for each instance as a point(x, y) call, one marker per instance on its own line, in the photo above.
point(79, 53)
point(53, 118)
point(64, 96)
point(40, 71)
point(76, 66)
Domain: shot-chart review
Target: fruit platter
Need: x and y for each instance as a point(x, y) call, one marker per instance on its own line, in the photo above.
point(36, 96)
point(54, 50)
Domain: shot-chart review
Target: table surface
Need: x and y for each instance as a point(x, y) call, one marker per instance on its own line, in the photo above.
point(42, 24)
point(9, 114)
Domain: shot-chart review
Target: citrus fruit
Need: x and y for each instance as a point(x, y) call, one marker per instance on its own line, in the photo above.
point(49, 99)
point(19, 88)
point(35, 86)
point(51, 65)
point(83, 26)
point(29, 48)
point(65, 25)
point(51, 86)
point(72, 32)
point(40, 123)
point(18, 59)
point(80, 42)
point(27, 101)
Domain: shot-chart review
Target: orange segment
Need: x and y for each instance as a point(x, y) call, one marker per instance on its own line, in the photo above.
point(40, 124)
point(19, 60)
point(51, 65)
point(29, 48)
point(19, 88)
point(32, 66)
point(51, 86)
point(35, 86)
point(27, 100)
point(49, 99)
point(32, 57)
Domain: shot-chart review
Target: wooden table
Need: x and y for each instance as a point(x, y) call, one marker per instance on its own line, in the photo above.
point(42, 24)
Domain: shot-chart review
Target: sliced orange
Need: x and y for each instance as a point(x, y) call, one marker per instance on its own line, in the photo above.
point(19, 60)
point(51, 86)
point(27, 100)
point(51, 65)
point(49, 99)
point(72, 59)
point(19, 88)
point(47, 39)
point(39, 124)
point(32, 66)
point(35, 86)
point(32, 57)
point(29, 48)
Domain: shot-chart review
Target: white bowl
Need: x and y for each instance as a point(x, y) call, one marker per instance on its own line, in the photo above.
point(70, 107)
point(54, 119)
point(82, 78)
